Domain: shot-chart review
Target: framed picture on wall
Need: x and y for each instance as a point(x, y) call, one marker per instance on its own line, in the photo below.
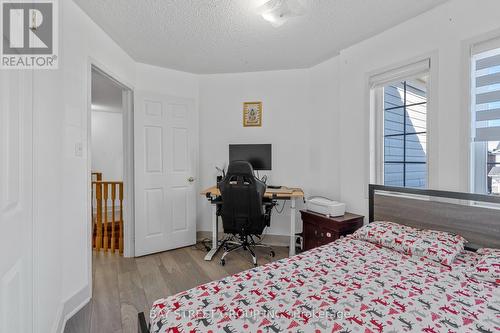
point(252, 114)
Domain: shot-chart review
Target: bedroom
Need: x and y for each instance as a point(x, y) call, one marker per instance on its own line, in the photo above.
point(318, 76)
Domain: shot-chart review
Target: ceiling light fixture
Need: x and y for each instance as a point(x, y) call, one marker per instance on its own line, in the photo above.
point(277, 12)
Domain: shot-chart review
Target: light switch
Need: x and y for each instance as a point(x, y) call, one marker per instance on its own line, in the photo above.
point(78, 149)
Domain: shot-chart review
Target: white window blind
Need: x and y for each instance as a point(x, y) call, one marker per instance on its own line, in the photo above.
point(486, 91)
point(401, 73)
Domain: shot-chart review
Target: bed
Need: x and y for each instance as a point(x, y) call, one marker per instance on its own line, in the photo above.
point(352, 285)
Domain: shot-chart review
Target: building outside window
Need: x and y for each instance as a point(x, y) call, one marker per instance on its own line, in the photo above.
point(405, 133)
point(398, 125)
point(485, 115)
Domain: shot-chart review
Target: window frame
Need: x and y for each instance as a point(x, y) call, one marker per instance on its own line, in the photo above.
point(378, 165)
point(476, 48)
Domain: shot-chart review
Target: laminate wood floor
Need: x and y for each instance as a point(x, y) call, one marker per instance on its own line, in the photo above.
point(125, 286)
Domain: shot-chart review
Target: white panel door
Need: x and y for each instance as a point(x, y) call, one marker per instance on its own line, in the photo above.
point(16, 203)
point(165, 160)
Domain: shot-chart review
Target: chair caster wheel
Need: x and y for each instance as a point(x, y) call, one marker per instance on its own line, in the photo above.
point(272, 254)
point(223, 262)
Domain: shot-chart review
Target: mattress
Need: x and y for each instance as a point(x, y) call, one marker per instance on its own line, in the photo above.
point(347, 286)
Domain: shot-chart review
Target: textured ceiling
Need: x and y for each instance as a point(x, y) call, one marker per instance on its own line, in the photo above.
point(219, 36)
point(106, 95)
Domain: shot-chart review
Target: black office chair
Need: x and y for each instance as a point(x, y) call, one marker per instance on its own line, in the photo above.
point(245, 212)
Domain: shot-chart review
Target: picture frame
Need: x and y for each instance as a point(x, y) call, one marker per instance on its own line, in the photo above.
point(252, 114)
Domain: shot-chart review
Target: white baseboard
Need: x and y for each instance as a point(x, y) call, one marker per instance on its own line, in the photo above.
point(70, 307)
point(274, 240)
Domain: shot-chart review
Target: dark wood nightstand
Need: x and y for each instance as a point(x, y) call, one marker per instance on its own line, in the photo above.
point(320, 230)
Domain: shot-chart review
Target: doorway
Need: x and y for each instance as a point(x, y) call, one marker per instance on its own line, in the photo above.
point(110, 164)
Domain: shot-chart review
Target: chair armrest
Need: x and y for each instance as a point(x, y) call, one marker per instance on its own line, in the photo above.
point(269, 205)
point(269, 202)
point(214, 199)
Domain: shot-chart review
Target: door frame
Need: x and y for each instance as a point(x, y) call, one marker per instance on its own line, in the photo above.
point(128, 159)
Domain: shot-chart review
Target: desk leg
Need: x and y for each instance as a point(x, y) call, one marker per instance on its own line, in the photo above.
point(215, 235)
point(291, 251)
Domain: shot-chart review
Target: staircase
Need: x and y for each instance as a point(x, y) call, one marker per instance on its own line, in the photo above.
point(107, 214)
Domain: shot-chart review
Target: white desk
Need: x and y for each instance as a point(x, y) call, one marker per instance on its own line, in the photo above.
point(291, 194)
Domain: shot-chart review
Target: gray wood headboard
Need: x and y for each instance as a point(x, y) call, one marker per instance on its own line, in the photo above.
point(462, 213)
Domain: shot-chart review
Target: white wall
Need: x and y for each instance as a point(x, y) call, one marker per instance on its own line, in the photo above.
point(323, 126)
point(296, 121)
point(82, 41)
point(47, 247)
point(107, 144)
point(285, 112)
point(167, 81)
point(62, 256)
point(441, 33)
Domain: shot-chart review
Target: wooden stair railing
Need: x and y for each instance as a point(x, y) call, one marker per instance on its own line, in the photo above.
point(96, 176)
point(107, 229)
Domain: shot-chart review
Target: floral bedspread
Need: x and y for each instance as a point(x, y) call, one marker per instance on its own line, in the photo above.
point(347, 286)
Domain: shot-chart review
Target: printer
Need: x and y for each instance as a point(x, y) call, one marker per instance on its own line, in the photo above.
point(325, 206)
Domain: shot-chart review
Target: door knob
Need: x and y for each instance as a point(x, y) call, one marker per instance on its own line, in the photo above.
point(191, 179)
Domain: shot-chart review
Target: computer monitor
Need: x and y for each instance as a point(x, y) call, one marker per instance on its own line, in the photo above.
point(258, 155)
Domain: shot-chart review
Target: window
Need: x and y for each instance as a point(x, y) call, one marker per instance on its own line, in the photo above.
point(398, 126)
point(485, 116)
point(405, 133)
